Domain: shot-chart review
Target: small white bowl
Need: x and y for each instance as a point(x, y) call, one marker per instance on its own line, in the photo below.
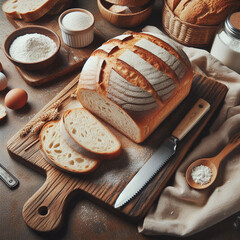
point(77, 38)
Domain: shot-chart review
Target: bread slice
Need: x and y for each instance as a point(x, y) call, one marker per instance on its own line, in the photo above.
point(120, 9)
point(28, 10)
point(58, 153)
point(87, 135)
point(3, 112)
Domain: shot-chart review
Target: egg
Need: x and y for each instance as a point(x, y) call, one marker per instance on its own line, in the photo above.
point(3, 81)
point(16, 98)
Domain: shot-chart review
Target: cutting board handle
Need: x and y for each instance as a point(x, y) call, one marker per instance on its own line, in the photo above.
point(43, 212)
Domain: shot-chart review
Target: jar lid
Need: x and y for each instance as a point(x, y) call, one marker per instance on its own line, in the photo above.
point(232, 24)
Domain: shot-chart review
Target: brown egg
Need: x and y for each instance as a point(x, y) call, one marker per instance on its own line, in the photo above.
point(16, 98)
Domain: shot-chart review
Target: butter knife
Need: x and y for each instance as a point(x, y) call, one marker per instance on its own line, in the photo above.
point(163, 154)
point(7, 177)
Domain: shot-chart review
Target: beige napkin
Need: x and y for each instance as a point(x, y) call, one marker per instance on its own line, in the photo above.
point(180, 210)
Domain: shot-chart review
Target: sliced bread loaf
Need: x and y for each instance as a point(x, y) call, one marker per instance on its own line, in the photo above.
point(87, 135)
point(134, 81)
point(28, 10)
point(59, 154)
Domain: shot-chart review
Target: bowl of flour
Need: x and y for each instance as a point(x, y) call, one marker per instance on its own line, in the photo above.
point(32, 48)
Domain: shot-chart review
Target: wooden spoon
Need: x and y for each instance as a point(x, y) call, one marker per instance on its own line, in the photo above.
point(213, 163)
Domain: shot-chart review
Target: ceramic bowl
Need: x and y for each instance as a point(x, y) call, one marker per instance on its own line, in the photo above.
point(125, 20)
point(77, 38)
point(29, 30)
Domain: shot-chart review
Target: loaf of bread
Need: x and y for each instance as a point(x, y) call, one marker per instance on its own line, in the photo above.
point(203, 12)
point(134, 81)
point(58, 153)
point(129, 3)
point(28, 10)
point(87, 135)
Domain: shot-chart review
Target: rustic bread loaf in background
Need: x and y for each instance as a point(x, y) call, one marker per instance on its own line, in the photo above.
point(203, 12)
point(134, 81)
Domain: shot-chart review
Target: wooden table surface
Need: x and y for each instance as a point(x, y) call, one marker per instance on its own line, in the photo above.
point(85, 220)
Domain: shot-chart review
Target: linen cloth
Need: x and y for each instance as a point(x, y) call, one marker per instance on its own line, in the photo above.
point(181, 210)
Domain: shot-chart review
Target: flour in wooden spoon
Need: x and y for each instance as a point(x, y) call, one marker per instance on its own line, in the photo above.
point(201, 174)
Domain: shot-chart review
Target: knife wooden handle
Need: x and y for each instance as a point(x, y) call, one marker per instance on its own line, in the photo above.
point(190, 120)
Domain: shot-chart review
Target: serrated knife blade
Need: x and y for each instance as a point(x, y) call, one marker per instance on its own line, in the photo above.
point(163, 154)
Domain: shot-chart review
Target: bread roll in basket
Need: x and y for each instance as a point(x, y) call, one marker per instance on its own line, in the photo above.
point(134, 81)
point(195, 22)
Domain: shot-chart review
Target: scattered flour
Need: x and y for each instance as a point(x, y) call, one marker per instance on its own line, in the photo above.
point(33, 47)
point(201, 174)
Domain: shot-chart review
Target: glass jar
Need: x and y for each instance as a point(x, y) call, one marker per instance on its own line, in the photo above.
point(226, 45)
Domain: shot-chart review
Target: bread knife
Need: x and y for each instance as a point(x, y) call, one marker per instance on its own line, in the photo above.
point(7, 177)
point(163, 154)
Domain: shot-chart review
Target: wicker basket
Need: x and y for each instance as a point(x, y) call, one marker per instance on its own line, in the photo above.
point(187, 33)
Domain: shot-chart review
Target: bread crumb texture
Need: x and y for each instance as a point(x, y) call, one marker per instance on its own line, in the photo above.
point(89, 132)
point(60, 154)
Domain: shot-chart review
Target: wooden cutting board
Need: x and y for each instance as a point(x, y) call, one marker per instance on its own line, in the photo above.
point(44, 211)
point(68, 59)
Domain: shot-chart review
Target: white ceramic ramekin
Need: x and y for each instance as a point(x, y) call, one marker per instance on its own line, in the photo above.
point(77, 38)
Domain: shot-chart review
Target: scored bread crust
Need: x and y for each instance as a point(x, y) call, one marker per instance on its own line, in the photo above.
point(19, 9)
point(145, 65)
point(203, 12)
point(102, 145)
point(62, 156)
